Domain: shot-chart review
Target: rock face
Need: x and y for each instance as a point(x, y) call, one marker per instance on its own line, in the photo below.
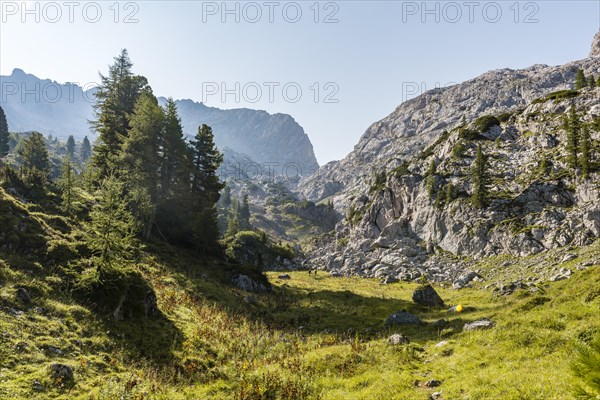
point(253, 137)
point(427, 296)
point(595, 52)
point(399, 221)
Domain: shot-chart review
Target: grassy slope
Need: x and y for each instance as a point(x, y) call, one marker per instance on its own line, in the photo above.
point(313, 337)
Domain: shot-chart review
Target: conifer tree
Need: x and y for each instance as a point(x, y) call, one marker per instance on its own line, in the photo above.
point(592, 82)
point(431, 179)
point(71, 146)
point(244, 214)
point(226, 197)
point(111, 231)
point(33, 153)
point(572, 126)
point(480, 179)
point(450, 193)
point(115, 102)
point(580, 80)
point(4, 135)
point(233, 222)
point(86, 150)
point(585, 151)
point(174, 155)
point(67, 185)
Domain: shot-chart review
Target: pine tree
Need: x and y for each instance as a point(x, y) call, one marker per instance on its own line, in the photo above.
point(431, 179)
point(86, 150)
point(111, 231)
point(4, 135)
point(592, 82)
point(33, 153)
point(67, 185)
point(71, 146)
point(584, 144)
point(572, 126)
point(244, 214)
point(205, 188)
point(115, 102)
point(580, 80)
point(174, 162)
point(226, 197)
point(233, 222)
point(140, 159)
point(480, 179)
point(598, 81)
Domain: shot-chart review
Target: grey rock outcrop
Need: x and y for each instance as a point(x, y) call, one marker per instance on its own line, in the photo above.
point(478, 325)
point(397, 339)
point(427, 296)
point(248, 284)
point(402, 317)
point(595, 52)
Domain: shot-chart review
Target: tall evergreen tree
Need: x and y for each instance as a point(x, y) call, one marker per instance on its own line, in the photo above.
point(4, 136)
point(431, 179)
point(86, 150)
point(592, 82)
point(174, 163)
point(580, 80)
point(111, 231)
point(480, 179)
point(140, 159)
point(572, 126)
point(233, 222)
point(67, 185)
point(584, 145)
point(226, 197)
point(244, 215)
point(33, 153)
point(205, 188)
point(71, 146)
point(115, 102)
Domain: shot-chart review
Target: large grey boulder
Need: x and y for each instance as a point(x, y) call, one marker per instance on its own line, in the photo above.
point(248, 284)
point(427, 296)
point(401, 318)
point(481, 324)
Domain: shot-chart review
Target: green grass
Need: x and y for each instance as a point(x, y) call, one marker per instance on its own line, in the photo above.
point(313, 337)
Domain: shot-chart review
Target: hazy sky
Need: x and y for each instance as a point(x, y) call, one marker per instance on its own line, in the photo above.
point(336, 67)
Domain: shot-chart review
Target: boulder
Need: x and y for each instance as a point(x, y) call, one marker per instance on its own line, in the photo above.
point(150, 305)
point(401, 318)
point(427, 296)
point(61, 372)
point(284, 277)
point(397, 339)
point(479, 325)
point(246, 283)
point(432, 383)
point(23, 295)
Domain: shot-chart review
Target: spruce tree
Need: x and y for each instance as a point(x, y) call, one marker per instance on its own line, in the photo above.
point(572, 126)
point(450, 193)
point(580, 80)
point(431, 179)
point(111, 231)
point(33, 154)
point(86, 150)
point(205, 188)
point(233, 222)
point(4, 135)
point(480, 179)
point(226, 197)
point(174, 154)
point(592, 82)
point(141, 159)
point(71, 146)
point(115, 102)
point(585, 151)
point(244, 215)
point(67, 185)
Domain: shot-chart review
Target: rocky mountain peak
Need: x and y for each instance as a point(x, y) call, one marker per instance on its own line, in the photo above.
point(595, 52)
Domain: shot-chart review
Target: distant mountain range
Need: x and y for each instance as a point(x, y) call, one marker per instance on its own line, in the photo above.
point(276, 142)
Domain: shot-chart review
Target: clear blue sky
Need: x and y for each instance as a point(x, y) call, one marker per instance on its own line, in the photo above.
point(373, 56)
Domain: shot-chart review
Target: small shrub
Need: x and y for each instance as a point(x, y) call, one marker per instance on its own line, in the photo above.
point(485, 123)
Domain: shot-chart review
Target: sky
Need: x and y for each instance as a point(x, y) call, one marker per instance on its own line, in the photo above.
point(335, 66)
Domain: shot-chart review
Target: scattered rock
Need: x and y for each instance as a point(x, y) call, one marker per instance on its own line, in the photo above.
point(569, 257)
point(38, 387)
point(402, 317)
point(464, 280)
point(61, 372)
point(390, 279)
point(479, 325)
point(23, 295)
point(427, 296)
point(442, 344)
point(436, 395)
point(284, 277)
point(433, 383)
point(397, 339)
point(246, 283)
point(335, 274)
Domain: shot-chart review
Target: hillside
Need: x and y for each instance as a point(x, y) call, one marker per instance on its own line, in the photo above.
point(312, 337)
